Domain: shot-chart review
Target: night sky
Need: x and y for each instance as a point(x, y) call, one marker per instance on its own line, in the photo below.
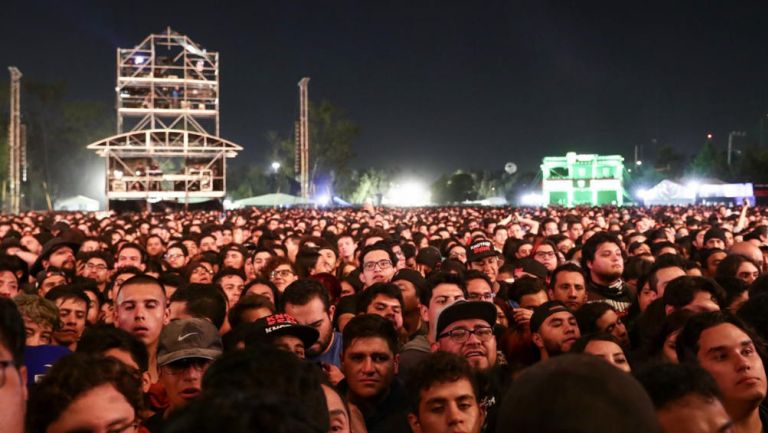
point(438, 85)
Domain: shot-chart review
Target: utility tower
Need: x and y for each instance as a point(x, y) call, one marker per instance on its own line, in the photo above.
point(167, 144)
point(302, 138)
point(16, 149)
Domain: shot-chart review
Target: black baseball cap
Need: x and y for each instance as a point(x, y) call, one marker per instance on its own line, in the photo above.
point(463, 310)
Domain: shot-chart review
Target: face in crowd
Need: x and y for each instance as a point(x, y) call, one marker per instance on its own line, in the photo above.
point(472, 339)
point(315, 315)
point(369, 367)
point(140, 309)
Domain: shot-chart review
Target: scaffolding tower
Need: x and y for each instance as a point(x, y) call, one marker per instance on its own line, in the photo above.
point(16, 147)
point(302, 138)
point(167, 144)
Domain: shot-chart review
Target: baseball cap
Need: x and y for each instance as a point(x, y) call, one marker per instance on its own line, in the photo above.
point(277, 325)
point(188, 338)
point(543, 311)
point(479, 250)
point(530, 266)
point(463, 310)
point(429, 256)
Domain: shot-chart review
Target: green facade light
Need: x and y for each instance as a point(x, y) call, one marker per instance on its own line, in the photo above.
point(583, 179)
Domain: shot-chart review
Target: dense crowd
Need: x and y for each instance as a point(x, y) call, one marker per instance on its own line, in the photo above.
point(385, 320)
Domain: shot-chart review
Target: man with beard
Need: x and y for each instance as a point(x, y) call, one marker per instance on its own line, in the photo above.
point(553, 329)
point(603, 262)
point(58, 253)
point(307, 301)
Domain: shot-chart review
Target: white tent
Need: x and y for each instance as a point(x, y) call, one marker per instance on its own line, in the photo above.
point(78, 202)
point(668, 192)
point(270, 200)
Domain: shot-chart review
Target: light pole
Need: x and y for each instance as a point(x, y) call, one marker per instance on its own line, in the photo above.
point(730, 142)
point(275, 169)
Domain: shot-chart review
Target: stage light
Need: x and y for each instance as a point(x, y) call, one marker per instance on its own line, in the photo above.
point(532, 199)
point(139, 59)
point(322, 199)
point(118, 174)
point(408, 193)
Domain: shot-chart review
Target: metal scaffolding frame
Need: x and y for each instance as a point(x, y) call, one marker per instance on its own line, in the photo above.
point(17, 154)
point(167, 144)
point(302, 139)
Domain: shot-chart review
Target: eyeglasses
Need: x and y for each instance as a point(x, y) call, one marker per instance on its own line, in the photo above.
point(173, 256)
point(99, 267)
point(382, 264)
point(282, 273)
point(543, 254)
point(4, 364)
point(481, 296)
point(461, 335)
point(182, 365)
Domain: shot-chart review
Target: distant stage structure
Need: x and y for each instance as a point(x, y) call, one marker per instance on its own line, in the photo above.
point(583, 179)
point(168, 145)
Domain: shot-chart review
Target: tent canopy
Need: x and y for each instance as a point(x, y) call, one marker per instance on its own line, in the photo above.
point(78, 202)
point(274, 199)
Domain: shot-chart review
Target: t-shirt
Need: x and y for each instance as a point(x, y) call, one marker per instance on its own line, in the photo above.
point(333, 354)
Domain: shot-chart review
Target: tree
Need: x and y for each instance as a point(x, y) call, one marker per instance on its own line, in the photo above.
point(331, 135)
point(708, 162)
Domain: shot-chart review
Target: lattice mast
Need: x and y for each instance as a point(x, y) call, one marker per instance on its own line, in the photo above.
point(16, 151)
point(167, 144)
point(302, 141)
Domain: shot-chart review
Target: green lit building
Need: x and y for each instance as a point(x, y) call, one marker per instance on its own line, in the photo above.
point(576, 179)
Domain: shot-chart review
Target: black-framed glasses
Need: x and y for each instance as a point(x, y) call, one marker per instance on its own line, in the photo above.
point(460, 335)
point(282, 273)
point(4, 364)
point(382, 264)
point(481, 296)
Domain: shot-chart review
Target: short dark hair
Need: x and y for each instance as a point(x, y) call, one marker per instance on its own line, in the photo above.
point(140, 279)
point(303, 291)
point(664, 261)
point(12, 334)
point(588, 315)
point(259, 373)
point(733, 288)
point(567, 267)
point(438, 367)
point(380, 245)
point(474, 274)
point(246, 303)
point(368, 326)
point(366, 297)
point(667, 383)
point(100, 338)
point(228, 272)
point(71, 377)
point(68, 291)
point(136, 247)
point(682, 290)
point(435, 280)
point(688, 338)
point(103, 255)
point(526, 285)
point(205, 301)
point(589, 249)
